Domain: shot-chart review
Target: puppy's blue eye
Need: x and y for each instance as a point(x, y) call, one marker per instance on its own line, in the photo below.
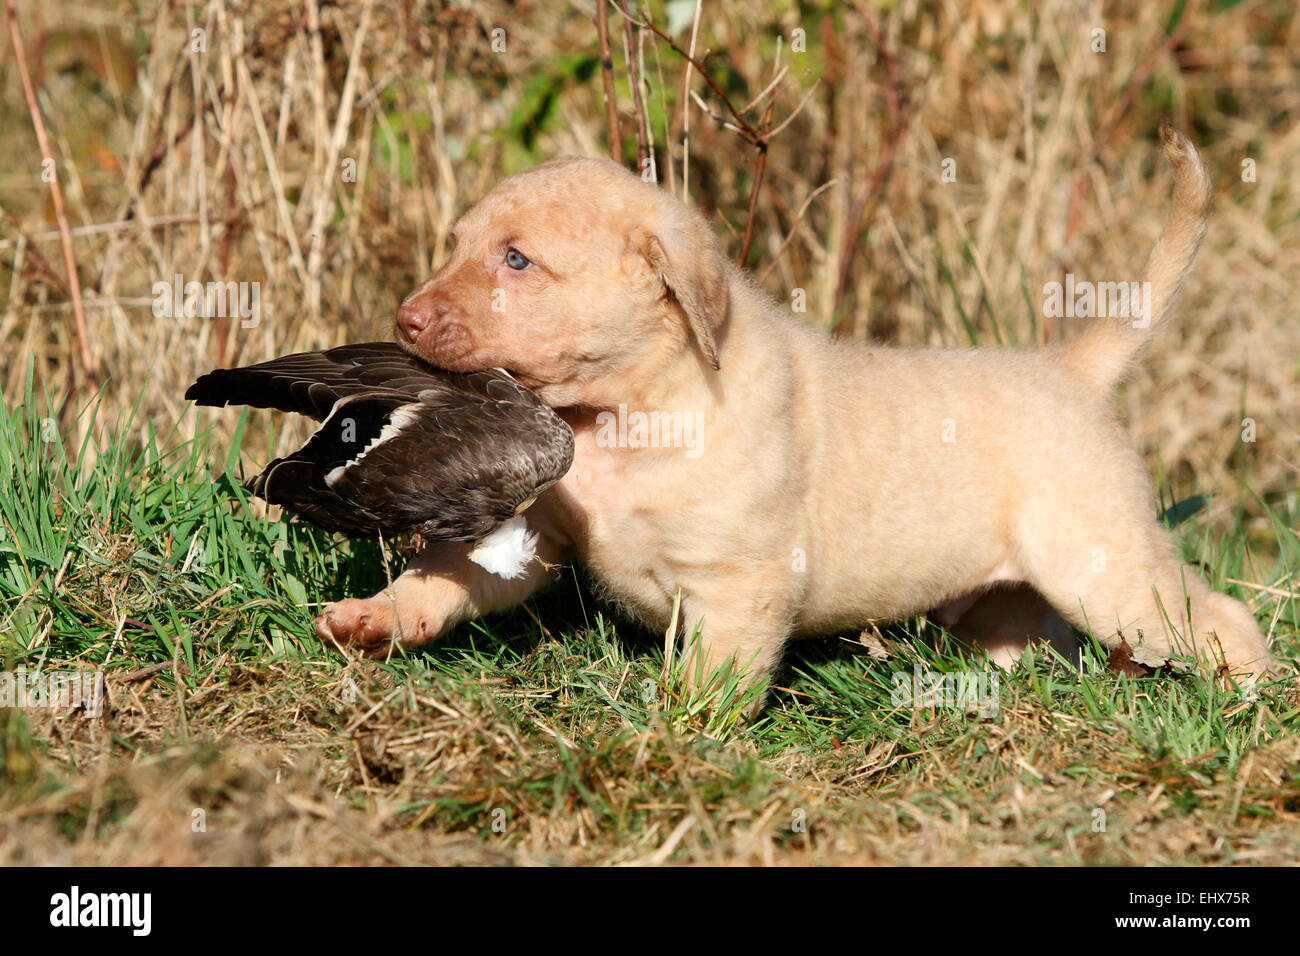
point(516, 259)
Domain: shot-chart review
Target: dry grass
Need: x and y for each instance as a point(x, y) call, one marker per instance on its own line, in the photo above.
point(272, 766)
point(227, 165)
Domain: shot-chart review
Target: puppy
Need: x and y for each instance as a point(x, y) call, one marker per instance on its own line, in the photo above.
point(826, 484)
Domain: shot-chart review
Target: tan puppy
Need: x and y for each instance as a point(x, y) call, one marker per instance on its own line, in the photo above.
point(805, 486)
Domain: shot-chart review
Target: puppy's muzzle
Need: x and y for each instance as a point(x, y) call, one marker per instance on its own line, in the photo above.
point(427, 327)
point(415, 315)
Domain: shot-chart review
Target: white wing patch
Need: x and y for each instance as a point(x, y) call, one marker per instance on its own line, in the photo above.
point(402, 416)
point(507, 550)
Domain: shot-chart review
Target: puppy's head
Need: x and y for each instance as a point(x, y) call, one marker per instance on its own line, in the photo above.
point(572, 275)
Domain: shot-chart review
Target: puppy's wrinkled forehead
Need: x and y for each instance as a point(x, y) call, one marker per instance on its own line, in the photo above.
point(567, 199)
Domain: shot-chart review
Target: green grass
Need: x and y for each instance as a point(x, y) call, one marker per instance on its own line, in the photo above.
point(554, 733)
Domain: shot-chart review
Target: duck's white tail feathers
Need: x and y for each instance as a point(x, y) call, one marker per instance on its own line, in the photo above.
point(508, 550)
point(1106, 352)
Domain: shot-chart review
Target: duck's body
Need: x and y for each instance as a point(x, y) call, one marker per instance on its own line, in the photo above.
point(403, 446)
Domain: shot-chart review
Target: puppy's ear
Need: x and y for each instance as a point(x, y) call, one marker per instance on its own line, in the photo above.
point(685, 255)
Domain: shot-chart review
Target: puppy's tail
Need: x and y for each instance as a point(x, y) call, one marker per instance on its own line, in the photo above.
point(1105, 353)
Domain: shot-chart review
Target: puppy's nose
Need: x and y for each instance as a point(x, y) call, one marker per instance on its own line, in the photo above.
point(414, 316)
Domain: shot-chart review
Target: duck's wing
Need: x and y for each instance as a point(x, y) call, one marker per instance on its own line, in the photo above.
point(310, 383)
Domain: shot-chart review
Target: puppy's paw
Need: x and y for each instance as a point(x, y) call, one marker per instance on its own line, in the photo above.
point(363, 625)
point(372, 626)
point(377, 626)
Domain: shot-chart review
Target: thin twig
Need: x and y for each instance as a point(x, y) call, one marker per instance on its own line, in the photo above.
point(686, 107)
point(759, 137)
point(607, 73)
point(663, 106)
point(28, 241)
point(56, 190)
point(760, 167)
point(161, 144)
point(1263, 587)
point(121, 225)
point(634, 81)
point(776, 130)
point(780, 75)
point(864, 206)
point(743, 126)
point(798, 216)
point(717, 118)
point(1110, 123)
point(325, 190)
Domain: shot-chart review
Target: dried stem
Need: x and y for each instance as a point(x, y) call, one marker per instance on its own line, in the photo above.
point(760, 167)
point(60, 210)
point(634, 81)
point(867, 201)
point(743, 126)
point(798, 216)
point(607, 74)
point(685, 126)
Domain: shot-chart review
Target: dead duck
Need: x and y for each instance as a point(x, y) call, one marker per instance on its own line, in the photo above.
point(404, 446)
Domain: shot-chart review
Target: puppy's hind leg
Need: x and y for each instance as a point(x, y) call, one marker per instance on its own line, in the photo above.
point(1127, 580)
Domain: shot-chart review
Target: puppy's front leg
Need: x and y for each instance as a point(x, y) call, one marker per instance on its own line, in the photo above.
point(440, 588)
point(744, 621)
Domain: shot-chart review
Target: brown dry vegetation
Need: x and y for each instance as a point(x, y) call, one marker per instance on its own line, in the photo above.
point(270, 767)
point(227, 166)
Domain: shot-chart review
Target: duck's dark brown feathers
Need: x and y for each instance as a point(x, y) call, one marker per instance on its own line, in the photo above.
point(458, 454)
